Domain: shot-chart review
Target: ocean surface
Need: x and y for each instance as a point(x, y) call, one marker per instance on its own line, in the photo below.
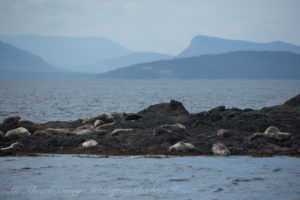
point(136, 177)
point(177, 178)
point(43, 101)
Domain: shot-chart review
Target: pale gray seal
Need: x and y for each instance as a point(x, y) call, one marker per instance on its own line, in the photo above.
point(220, 149)
point(169, 128)
point(14, 145)
point(120, 130)
point(182, 147)
point(18, 131)
point(89, 143)
point(271, 132)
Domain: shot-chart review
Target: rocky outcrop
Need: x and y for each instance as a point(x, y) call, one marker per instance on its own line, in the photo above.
point(166, 128)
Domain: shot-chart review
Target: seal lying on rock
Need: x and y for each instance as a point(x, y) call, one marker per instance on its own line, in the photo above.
point(220, 149)
point(106, 117)
point(271, 132)
point(119, 130)
point(169, 128)
point(14, 145)
point(17, 131)
point(41, 132)
point(89, 143)
point(98, 122)
point(55, 131)
point(182, 147)
point(105, 125)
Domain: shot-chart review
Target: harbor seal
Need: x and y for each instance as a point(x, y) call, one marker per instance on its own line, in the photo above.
point(18, 131)
point(98, 122)
point(271, 132)
point(182, 147)
point(55, 131)
point(14, 145)
point(41, 132)
point(169, 128)
point(220, 149)
point(89, 143)
point(106, 117)
point(120, 130)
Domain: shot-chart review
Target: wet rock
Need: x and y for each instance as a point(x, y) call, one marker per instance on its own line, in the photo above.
point(165, 109)
point(1, 134)
point(169, 128)
point(223, 133)
point(182, 147)
point(89, 143)
point(10, 123)
point(18, 131)
point(220, 149)
point(271, 132)
point(120, 130)
point(131, 116)
point(295, 101)
point(14, 145)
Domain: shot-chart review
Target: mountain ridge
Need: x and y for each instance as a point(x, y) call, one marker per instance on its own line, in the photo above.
point(63, 51)
point(201, 45)
point(14, 59)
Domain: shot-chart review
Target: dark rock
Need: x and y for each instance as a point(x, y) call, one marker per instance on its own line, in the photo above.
point(131, 116)
point(223, 133)
point(10, 123)
point(295, 101)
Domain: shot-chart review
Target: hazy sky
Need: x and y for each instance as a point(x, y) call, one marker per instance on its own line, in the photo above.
point(165, 26)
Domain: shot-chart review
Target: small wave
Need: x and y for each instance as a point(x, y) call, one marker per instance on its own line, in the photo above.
point(238, 180)
point(178, 179)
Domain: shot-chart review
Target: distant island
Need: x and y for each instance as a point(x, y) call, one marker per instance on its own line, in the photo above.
point(233, 65)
